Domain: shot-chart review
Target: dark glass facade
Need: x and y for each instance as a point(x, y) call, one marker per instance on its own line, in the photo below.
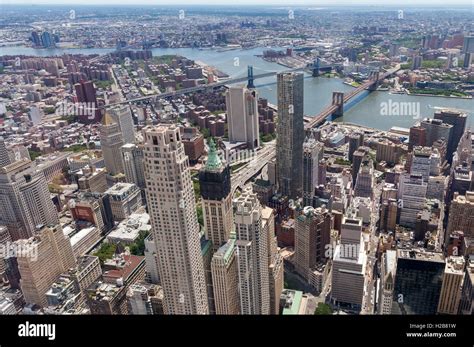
point(215, 185)
point(417, 286)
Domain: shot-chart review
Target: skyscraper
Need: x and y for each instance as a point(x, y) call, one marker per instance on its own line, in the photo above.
point(86, 95)
point(252, 254)
point(365, 179)
point(123, 117)
point(290, 133)
point(172, 209)
point(412, 192)
point(132, 158)
point(242, 116)
point(47, 39)
point(42, 259)
point(214, 181)
point(461, 214)
point(436, 129)
point(24, 199)
point(418, 281)
point(110, 142)
point(451, 289)
point(4, 155)
point(312, 154)
point(355, 141)
point(421, 162)
point(458, 121)
point(388, 268)
point(349, 265)
point(312, 235)
point(225, 279)
point(275, 260)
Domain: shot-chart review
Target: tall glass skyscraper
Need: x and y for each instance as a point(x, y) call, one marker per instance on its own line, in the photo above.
point(290, 133)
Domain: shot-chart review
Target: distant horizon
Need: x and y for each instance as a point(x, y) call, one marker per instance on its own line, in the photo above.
point(248, 3)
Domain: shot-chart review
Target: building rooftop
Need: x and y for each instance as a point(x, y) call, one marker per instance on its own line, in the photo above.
point(225, 251)
point(77, 237)
point(129, 229)
point(292, 301)
point(122, 267)
point(455, 265)
point(420, 254)
point(120, 189)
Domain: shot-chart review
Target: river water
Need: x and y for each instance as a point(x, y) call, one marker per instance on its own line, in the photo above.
point(317, 91)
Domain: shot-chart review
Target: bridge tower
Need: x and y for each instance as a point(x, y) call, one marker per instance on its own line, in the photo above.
point(374, 76)
point(338, 100)
point(250, 84)
point(316, 66)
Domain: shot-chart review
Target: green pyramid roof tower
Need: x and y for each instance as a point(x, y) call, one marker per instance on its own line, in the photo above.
point(213, 160)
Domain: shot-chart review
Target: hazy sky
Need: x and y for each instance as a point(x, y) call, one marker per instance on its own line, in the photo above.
point(315, 3)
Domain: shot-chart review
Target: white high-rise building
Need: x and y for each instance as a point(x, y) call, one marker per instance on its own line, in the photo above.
point(172, 209)
point(123, 117)
point(132, 157)
point(349, 264)
point(252, 254)
point(242, 116)
point(43, 258)
point(110, 142)
point(312, 154)
point(412, 193)
point(225, 279)
point(4, 155)
point(25, 201)
point(36, 114)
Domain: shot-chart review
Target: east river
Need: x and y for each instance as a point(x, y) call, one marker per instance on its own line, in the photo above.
point(317, 91)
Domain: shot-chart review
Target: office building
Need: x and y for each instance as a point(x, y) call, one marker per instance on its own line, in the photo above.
point(467, 295)
point(289, 147)
point(4, 154)
point(388, 215)
point(458, 122)
point(421, 162)
point(215, 187)
point(359, 155)
point(365, 179)
point(111, 142)
point(461, 214)
point(132, 158)
point(436, 129)
point(355, 141)
point(24, 199)
point(349, 265)
point(450, 296)
point(122, 115)
point(312, 235)
point(312, 154)
point(42, 259)
point(143, 297)
point(275, 260)
point(252, 255)
point(86, 96)
point(412, 192)
point(171, 205)
point(5, 239)
point(418, 281)
point(225, 279)
point(242, 116)
point(417, 136)
point(387, 281)
point(151, 261)
point(125, 199)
